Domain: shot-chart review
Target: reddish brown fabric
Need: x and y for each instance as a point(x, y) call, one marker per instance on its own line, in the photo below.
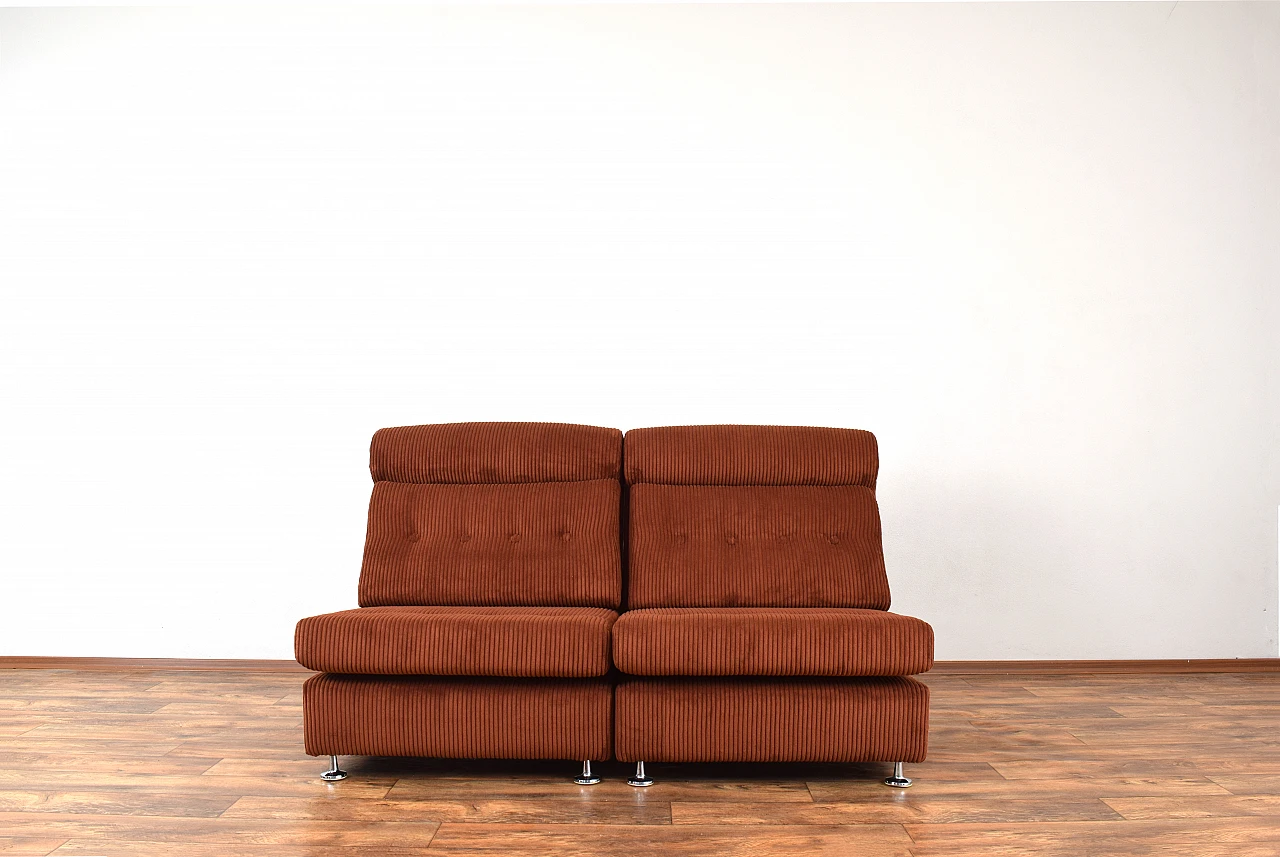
point(495, 452)
point(751, 455)
point(767, 546)
point(771, 641)
point(548, 642)
point(771, 720)
point(457, 718)
point(539, 544)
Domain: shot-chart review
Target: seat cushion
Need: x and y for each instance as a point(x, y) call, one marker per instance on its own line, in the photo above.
point(771, 641)
point(523, 642)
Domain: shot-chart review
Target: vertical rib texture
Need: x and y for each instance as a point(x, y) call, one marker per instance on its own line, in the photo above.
point(457, 718)
point(751, 455)
point(534, 544)
point(771, 720)
point(495, 452)
point(547, 642)
point(771, 641)
point(757, 546)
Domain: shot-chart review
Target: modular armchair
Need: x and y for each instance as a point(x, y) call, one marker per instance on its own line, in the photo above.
point(756, 624)
point(491, 579)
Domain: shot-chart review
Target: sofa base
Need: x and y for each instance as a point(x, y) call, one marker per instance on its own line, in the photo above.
point(771, 720)
point(346, 715)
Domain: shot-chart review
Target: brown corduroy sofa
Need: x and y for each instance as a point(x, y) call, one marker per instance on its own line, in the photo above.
point(757, 624)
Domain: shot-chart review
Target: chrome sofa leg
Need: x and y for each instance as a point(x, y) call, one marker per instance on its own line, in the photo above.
point(639, 780)
point(334, 773)
point(898, 781)
point(586, 778)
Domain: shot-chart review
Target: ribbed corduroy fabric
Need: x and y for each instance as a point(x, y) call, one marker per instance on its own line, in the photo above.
point(457, 718)
point(757, 546)
point(751, 455)
point(535, 544)
point(495, 452)
point(763, 641)
point(771, 720)
point(548, 642)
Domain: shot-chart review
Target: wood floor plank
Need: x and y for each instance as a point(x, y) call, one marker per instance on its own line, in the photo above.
point(51, 780)
point(1164, 837)
point(217, 831)
point(588, 809)
point(151, 802)
point(28, 846)
point(895, 810)
point(126, 848)
point(1257, 784)
point(670, 840)
point(1222, 806)
point(1059, 769)
point(18, 762)
point(289, 751)
point(73, 704)
point(89, 746)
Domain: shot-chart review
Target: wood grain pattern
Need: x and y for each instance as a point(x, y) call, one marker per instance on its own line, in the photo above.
point(196, 763)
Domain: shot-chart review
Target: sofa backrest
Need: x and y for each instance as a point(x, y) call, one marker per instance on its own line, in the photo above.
point(494, 514)
point(754, 516)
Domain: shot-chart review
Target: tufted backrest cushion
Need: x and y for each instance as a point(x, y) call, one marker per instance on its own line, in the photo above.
point(494, 514)
point(754, 516)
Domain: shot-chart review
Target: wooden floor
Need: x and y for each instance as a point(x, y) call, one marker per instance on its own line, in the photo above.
point(211, 763)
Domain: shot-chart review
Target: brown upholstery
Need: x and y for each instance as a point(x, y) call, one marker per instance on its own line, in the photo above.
point(771, 720)
point(721, 546)
point(762, 641)
point(495, 452)
point(549, 642)
point(757, 595)
point(548, 543)
point(751, 455)
point(758, 628)
point(457, 717)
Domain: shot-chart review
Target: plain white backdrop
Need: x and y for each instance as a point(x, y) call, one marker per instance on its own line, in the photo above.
point(1034, 247)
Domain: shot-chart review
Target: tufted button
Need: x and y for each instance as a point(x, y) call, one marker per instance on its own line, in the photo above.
point(731, 539)
point(784, 537)
point(465, 537)
point(413, 537)
point(564, 536)
point(681, 538)
point(513, 538)
point(833, 538)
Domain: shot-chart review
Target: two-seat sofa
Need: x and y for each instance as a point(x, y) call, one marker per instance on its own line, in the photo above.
point(492, 594)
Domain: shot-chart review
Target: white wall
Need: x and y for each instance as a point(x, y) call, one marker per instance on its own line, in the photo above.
point(1033, 247)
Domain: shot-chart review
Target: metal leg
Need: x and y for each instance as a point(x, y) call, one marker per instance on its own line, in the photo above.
point(334, 772)
point(639, 780)
point(898, 781)
point(587, 778)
